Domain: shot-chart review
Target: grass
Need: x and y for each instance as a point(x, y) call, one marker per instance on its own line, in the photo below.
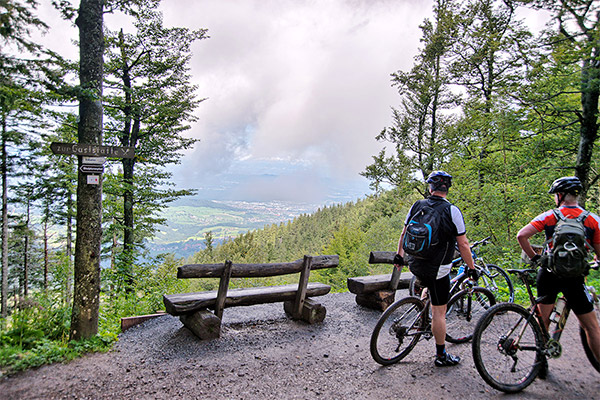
point(36, 333)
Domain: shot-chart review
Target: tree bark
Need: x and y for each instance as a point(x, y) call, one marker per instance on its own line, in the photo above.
point(46, 258)
point(129, 138)
point(86, 296)
point(69, 248)
point(588, 132)
point(128, 221)
point(26, 251)
point(3, 168)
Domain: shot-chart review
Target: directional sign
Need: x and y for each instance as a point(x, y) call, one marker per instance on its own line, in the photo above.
point(91, 169)
point(93, 160)
point(93, 150)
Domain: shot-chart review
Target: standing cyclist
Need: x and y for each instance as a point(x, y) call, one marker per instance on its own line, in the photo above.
point(565, 192)
point(433, 272)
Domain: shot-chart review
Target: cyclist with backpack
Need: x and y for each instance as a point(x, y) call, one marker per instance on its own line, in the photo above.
point(570, 232)
point(432, 228)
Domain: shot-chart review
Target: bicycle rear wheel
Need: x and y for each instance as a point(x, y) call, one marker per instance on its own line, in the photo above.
point(588, 352)
point(496, 280)
point(397, 331)
point(507, 347)
point(464, 310)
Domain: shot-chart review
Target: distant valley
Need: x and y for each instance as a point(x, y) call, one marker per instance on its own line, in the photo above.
point(190, 218)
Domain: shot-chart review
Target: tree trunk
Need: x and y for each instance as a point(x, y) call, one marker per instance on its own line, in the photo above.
point(26, 252)
point(588, 131)
point(86, 296)
point(128, 221)
point(25, 266)
point(69, 249)
point(129, 138)
point(3, 168)
point(46, 259)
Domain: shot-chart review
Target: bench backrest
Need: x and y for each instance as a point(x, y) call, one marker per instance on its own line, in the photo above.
point(254, 270)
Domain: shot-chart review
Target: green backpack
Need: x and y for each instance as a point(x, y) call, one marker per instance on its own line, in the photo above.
point(568, 256)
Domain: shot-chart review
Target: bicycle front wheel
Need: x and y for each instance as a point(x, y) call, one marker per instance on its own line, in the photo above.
point(397, 331)
point(464, 310)
point(586, 347)
point(496, 280)
point(508, 347)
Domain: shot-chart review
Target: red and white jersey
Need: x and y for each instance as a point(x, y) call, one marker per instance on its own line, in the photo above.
point(547, 222)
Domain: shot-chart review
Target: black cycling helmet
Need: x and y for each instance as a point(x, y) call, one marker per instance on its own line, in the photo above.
point(439, 181)
point(566, 184)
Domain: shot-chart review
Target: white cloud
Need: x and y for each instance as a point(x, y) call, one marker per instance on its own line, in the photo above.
point(306, 81)
point(293, 80)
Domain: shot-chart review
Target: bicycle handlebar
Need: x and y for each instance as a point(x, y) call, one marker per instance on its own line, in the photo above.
point(482, 242)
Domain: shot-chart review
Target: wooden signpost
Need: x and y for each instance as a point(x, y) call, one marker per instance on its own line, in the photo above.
point(92, 150)
point(93, 156)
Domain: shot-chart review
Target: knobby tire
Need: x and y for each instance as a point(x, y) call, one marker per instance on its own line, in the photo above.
point(398, 330)
point(501, 287)
point(502, 363)
point(464, 310)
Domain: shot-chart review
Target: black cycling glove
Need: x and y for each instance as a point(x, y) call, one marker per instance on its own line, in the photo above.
point(534, 260)
point(398, 260)
point(472, 273)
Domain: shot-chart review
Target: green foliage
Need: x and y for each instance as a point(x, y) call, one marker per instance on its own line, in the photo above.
point(37, 333)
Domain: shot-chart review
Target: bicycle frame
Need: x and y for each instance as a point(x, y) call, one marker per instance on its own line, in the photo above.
point(481, 265)
point(534, 311)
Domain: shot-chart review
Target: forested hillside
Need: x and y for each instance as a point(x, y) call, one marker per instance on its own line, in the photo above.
point(353, 230)
point(350, 230)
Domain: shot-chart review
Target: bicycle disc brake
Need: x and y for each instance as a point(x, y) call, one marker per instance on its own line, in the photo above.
point(553, 349)
point(399, 331)
point(507, 346)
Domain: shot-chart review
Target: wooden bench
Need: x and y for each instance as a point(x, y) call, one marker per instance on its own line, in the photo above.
point(192, 308)
point(379, 291)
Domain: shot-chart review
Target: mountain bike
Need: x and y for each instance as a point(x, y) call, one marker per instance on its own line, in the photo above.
point(491, 276)
point(406, 321)
point(511, 344)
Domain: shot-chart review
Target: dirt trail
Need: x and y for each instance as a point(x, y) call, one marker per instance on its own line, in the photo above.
point(264, 355)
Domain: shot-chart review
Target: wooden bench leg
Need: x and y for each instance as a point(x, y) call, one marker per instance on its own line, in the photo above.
point(203, 324)
point(311, 312)
point(379, 300)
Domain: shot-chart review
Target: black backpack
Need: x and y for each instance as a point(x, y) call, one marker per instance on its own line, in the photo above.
point(422, 236)
point(568, 256)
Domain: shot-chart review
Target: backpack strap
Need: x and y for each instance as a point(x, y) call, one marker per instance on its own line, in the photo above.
point(559, 215)
point(416, 208)
point(583, 216)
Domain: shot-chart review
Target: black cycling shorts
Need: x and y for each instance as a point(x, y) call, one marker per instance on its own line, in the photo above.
point(439, 290)
point(574, 290)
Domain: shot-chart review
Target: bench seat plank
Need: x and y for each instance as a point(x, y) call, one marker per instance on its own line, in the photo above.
point(373, 283)
point(254, 270)
point(185, 303)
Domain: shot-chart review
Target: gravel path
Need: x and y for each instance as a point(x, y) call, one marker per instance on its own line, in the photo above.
point(264, 355)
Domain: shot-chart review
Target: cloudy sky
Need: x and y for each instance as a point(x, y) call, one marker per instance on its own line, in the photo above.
point(296, 91)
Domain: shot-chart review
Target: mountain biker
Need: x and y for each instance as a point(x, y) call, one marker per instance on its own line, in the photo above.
point(565, 191)
point(434, 272)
